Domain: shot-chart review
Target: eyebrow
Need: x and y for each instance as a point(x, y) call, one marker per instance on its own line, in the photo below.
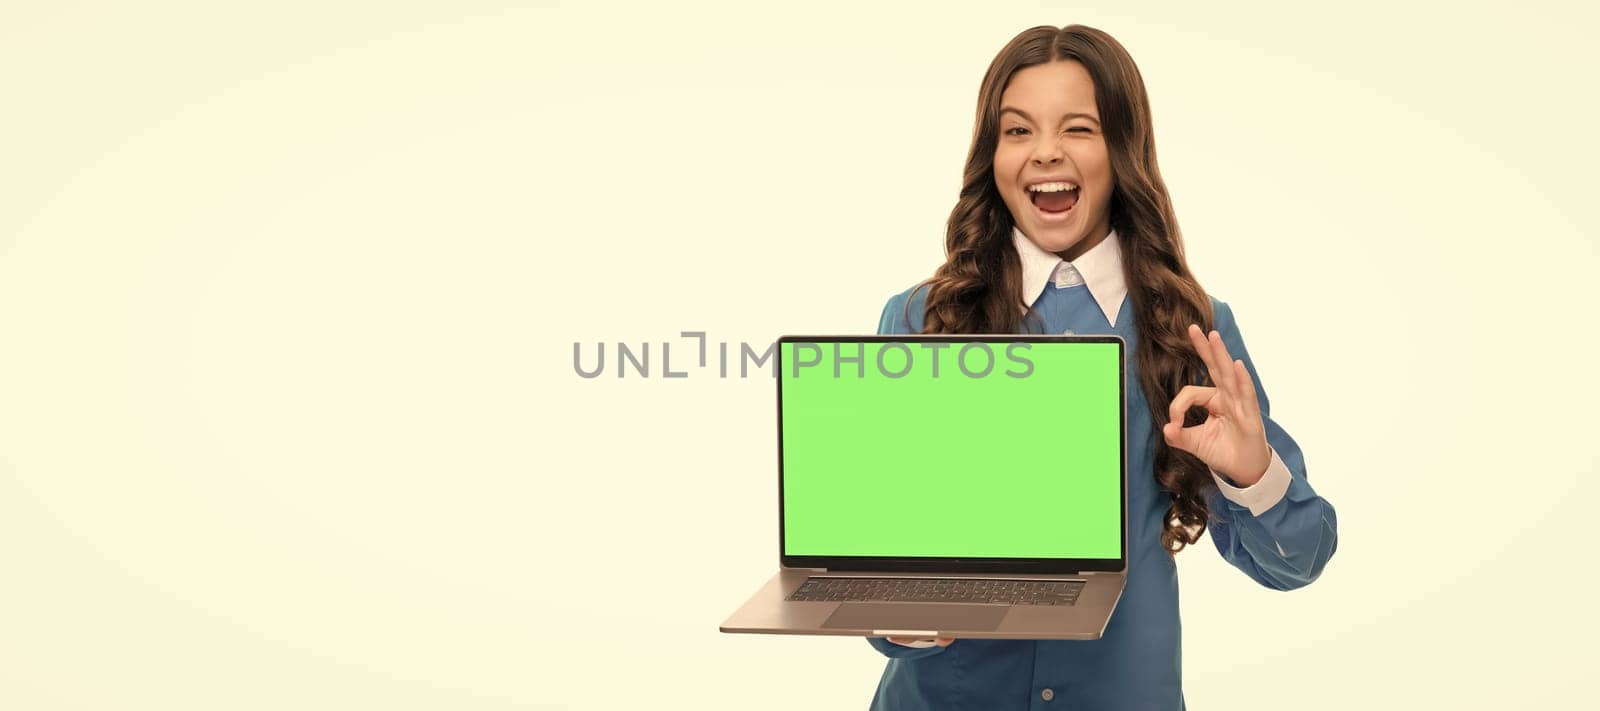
point(1064, 118)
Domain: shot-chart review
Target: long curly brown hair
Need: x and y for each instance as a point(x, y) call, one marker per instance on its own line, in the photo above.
point(978, 288)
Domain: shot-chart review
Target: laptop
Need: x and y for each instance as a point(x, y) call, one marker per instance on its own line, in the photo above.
point(969, 486)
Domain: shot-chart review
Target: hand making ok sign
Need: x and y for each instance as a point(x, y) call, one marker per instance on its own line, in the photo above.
point(1233, 439)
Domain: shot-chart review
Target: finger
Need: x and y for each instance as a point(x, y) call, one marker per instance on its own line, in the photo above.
point(1197, 339)
point(913, 642)
point(1219, 355)
point(1191, 396)
point(944, 641)
point(1187, 438)
point(1184, 438)
point(1247, 388)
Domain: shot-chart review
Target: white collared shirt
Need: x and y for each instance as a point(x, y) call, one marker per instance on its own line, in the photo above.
point(1100, 269)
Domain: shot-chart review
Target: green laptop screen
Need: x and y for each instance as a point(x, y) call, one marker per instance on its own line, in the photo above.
point(955, 449)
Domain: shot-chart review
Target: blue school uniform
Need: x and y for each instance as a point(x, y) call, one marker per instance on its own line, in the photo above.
point(1277, 531)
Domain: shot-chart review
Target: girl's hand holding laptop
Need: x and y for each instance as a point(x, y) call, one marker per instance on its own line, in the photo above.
point(922, 641)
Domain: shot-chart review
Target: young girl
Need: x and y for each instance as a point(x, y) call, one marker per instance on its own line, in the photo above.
point(1064, 226)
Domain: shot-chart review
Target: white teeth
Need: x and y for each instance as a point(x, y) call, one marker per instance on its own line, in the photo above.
point(1052, 187)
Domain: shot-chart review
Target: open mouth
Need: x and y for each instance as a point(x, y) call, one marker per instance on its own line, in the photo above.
point(1053, 200)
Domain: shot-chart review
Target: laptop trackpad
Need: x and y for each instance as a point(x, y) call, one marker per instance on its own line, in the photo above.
point(935, 616)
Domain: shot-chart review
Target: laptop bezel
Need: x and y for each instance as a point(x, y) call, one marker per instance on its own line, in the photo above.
point(939, 564)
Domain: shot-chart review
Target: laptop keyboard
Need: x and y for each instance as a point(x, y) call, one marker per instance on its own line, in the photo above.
point(968, 590)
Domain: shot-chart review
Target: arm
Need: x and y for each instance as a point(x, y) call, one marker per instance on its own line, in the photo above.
point(893, 321)
point(1277, 530)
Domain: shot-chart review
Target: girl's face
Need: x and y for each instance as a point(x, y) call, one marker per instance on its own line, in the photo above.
point(1050, 135)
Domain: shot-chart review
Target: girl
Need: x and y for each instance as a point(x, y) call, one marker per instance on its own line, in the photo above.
point(1064, 226)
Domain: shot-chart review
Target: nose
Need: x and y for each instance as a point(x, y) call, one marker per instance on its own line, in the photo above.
point(1046, 152)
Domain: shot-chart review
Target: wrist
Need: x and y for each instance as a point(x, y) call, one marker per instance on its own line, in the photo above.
point(1247, 481)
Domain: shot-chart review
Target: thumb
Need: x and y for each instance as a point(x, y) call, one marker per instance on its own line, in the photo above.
point(1173, 433)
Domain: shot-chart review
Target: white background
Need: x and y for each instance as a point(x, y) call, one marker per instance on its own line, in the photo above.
point(288, 417)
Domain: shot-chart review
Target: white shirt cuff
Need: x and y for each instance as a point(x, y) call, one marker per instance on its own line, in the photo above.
point(1262, 495)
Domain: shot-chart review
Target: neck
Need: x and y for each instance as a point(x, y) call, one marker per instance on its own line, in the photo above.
point(1095, 237)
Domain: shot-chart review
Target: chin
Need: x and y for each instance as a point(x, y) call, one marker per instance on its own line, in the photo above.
point(1055, 238)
